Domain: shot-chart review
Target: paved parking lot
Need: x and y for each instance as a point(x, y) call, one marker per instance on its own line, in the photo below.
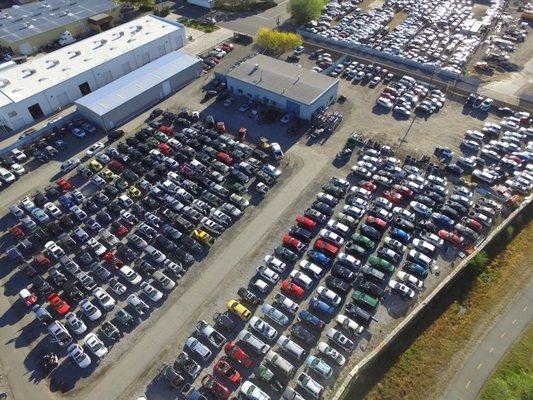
point(207, 286)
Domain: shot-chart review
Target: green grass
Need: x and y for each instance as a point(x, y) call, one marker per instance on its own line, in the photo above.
point(201, 26)
point(513, 379)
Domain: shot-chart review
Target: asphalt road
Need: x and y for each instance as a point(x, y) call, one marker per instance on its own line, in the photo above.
point(470, 379)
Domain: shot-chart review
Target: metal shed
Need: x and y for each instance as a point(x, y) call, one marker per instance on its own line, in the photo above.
point(125, 98)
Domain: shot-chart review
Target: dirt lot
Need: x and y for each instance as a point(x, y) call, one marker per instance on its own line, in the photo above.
point(133, 363)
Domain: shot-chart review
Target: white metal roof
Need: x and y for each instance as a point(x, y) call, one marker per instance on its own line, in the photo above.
point(118, 92)
point(39, 74)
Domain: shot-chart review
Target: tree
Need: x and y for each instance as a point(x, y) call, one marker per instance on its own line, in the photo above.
point(303, 11)
point(278, 42)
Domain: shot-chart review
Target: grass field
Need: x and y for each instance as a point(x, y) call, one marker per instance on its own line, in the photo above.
point(513, 379)
point(423, 369)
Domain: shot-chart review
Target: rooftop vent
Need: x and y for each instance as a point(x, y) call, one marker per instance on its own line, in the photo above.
point(4, 83)
point(118, 35)
point(135, 29)
point(51, 63)
point(42, 79)
point(99, 43)
point(74, 53)
point(28, 72)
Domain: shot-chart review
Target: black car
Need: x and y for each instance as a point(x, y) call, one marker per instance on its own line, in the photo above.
point(72, 291)
point(211, 198)
point(111, 190)
point(41, 285)
point(132, 141)
point(114, 207)
point(371, 288)
point(315, 215)
point(370, 231)
point(461, 209)
point(104, 216)
point(145, 267)
point(184, 257)
point(101, 198)
point(359, 313)
point(344, 273)
point(299, 332)
point(449, 211)
point(454, 169)
point(66, 221)
point(57, 277)
point(165, 244)
point(191, 214)
point(129, 175)
point(84, 257)
point(427, 225)
point(137, 168)
point(239, 175)
point(150, 203)
point(301, 233)
point(403, 224)
point(322, 207)
point(126, 253)
point(337, 284)
point(54, 229)
point(115, 135)
point(40, 235)
point(40, 199)
point(225, 321)
point(192, 245)
point(52, 193)
point(183, 224)
point(425, 200)
point(436, 197)
point(91, 205)
point(248, 296)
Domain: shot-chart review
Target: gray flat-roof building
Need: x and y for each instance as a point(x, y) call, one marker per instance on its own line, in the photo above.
point(125, 98)
point(286, 86)
point(28, 27)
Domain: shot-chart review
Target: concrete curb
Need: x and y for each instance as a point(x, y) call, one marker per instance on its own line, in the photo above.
point(414, 313)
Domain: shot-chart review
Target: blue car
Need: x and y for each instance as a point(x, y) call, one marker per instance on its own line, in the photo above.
point(415, 269)
point(311, 320)
point(319, 258)
point(443, 220)
point(65, 202)
point(321, 306)
point(400, 235)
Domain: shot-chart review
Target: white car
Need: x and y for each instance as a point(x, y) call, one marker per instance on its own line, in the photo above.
point(53, 210)
point(18, 155)
point(420, 208)
point(104, 298)
point(319, 366)
point(423, 246)
point(275, 263)
point(40, 215)
point(95, 148)
point(432, 238)
point(353, 211)
point(268, 274)
point(97, 247)
point(286, 303)
point(312, 268)
point(27, 203)
point(117, 287)
point(329, 296)
point(271, 170)
point(410, 280)
point(338, 227)
point(152, 293)
point(252, 392)
point(53, 249)
point(263, 328)
point(311, 386)
point(401, 289)
point(130, 275)
point(337, 337)
point(102, 158)
point(75, 323)
point(155, 254)
point(138, 305)
point(95, 345)
point(331, 237)
point(69, 165)
point(199, 348)
point(75, 351)
point(90, 310)
point(275, 315)
point(253, 341)
point(348, 260)
point(6, 176)
point(331, 353)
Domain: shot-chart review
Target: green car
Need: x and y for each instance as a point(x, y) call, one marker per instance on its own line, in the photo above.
point(263, 176)
point(346, 220)
point(237, 188)
point(152, 142)
point(209, 150)
point(160, 136)
point(333, 190)
point(363, 241)
point(380, 263)
point(121, 184)
point(365, 299)
point(355, 249)
point(286, 253)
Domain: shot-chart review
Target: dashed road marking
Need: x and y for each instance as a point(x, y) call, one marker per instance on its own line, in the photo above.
point(503, 335)
point(468, 384)
point(479, 366)
point(514, 322)
point(491, 350)
point(525, 308)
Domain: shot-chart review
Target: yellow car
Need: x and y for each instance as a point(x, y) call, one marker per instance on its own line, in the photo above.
point(108, 175)
point(237, 308)
point(133, 192)
point(95, 166)
point(203, 237)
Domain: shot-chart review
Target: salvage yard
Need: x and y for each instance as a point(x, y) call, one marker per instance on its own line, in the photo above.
point(203, 288)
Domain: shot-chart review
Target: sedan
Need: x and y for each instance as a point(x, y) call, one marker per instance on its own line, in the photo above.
point(292, 289)
point(319, 366)
point(337, 337)
point(268, 274)
point(75, 351)
point(451, 237)
point(95, 148)
point(275, 315)
point(331, 237)
point(263, 328)
point(152, 293)
point(95, 345)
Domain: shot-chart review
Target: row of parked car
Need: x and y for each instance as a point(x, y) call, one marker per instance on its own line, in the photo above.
point(441, 34)
point(162, 197)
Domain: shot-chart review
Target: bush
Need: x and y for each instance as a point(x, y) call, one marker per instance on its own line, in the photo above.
point(162, 12)
point(303, 11)
point(480, 260)
point(245, 5)
point(278, 42)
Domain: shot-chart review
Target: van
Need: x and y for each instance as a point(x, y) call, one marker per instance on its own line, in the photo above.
point(291, 347)
point(253, 341)
point(279, 362)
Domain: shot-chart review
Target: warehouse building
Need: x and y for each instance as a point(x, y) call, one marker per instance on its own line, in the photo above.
point(288, 87)
point(28, 27)
point(202, 3)
point(125, 98)
point(44, 85)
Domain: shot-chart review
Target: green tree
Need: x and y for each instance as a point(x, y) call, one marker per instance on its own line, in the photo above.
point(278, 42)
point(303, 11)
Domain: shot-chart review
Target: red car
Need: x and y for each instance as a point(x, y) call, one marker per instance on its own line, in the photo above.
point(327, 248)
point(108, 256)
point(167, 130)
point(217, 389)
point(29, 298)
point(115, 166)
point(64, 184)
point(293, 243)
point(403, 190)
point(235, 352)
point(451, 237)
point(225, 158)
point(305, 222)
point(120, 229)
point(377, 222)
point(223, 368)
point(58, 304)
point(41, 260)
point(368, 185)
point(17, 231)
point(165, 149)
point(228, 46)
point(472, 224)
point(292, 289)
point(393, 196)
point(242, 134)
point(221, 127)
